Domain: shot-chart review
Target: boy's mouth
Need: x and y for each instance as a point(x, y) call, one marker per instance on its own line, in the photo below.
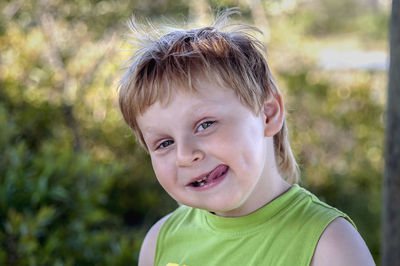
point(215, 174)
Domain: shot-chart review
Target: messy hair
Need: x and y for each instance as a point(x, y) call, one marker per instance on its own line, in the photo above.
point(224, 53)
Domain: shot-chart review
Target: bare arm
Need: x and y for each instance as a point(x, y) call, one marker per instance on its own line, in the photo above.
point(148, 250)
point(341, 244)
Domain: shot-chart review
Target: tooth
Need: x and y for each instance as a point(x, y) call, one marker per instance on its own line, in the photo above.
point(201, 180)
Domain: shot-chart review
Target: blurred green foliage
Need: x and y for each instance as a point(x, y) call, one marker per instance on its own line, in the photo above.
point(54, 202)
point(337, 137)
point(75, 188)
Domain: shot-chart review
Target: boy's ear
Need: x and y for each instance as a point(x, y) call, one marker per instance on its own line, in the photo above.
point(274, 114)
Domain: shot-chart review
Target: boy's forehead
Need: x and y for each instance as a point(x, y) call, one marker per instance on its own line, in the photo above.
point(206, 97)
point(198, 87)
point(198, 100)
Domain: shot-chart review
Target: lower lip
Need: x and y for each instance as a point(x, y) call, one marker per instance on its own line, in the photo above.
point(212, 183)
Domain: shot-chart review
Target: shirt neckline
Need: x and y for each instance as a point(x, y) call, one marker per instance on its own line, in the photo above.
point(254, 219)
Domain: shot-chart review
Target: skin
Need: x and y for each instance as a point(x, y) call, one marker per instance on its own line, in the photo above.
point(341, 244)
point(195, 133)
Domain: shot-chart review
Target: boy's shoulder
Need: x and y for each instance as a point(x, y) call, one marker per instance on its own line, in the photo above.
point(341, 244)
point(149, 245)
point(148, 249)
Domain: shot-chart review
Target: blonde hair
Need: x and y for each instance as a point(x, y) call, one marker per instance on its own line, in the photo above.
point(225, 53)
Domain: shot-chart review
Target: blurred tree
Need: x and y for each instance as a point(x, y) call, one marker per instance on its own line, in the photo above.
point(260, 18)
point(391, 207)
point(199, 12)
point(59, 61)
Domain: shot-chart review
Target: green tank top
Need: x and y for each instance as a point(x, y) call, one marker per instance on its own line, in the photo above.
point(283, 232)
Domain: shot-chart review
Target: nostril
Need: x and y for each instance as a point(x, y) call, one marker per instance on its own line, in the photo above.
point(198, 155)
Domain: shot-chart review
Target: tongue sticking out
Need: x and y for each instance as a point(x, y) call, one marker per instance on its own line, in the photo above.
point(214, 174)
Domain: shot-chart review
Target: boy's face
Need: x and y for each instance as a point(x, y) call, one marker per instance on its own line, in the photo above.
point(209, 151)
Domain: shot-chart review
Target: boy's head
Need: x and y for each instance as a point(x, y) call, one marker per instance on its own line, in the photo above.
point(180, 60)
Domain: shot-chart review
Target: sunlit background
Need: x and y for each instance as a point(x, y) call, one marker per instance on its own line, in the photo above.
point(75, 188)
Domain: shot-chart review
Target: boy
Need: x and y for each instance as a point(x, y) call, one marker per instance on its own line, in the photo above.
point(204, 105)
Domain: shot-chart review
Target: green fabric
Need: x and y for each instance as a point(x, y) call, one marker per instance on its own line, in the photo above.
point(284, 232)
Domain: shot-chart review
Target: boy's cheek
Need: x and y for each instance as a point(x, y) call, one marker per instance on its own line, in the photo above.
point(162, 170)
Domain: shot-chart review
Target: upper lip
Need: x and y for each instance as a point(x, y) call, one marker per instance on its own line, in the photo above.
point(202, 176)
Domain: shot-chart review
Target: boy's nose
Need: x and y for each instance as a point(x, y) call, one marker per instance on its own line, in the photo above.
point(187, 154)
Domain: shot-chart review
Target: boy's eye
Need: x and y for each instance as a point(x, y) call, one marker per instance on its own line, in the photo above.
point(205, 125)
point(166, 143)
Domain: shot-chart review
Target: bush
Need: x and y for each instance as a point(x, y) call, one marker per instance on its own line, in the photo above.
point(53, 200)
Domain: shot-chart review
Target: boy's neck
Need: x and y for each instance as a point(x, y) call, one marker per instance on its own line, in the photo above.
point(276, 188)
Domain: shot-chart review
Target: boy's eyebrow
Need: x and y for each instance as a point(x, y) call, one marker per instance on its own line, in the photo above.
point(149, 137)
